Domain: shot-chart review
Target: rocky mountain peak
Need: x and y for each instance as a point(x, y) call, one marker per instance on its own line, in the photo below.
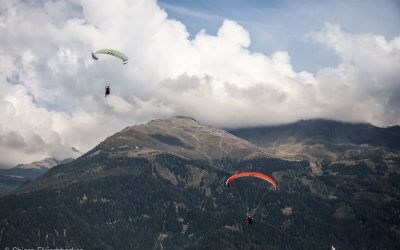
point(180, 136)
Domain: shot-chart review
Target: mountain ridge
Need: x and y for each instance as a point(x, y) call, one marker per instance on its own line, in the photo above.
point(320, 140)
point(181, 137)
point(317, 130)
point(12, 178)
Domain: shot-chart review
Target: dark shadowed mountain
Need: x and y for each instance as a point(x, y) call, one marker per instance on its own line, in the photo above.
point(319, 131)
point(14, 177)
point(319, 139)
point(162, 186)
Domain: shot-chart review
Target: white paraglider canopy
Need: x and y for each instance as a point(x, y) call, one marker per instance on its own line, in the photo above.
point(111, 52)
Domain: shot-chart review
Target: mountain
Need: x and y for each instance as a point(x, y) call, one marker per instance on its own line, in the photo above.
point(161, 185)
point(14, 177)
point(322, 140)
point(180, 137)
point(43, 164)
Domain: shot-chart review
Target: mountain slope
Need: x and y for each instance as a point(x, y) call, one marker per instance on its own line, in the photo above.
point(318, 140)
point(161, 186)
point(179, 136)
point(14, 177)
point(322, 131)
point(184, 137)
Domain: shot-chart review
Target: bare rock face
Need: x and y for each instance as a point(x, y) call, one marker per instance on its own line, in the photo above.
point(180, 136)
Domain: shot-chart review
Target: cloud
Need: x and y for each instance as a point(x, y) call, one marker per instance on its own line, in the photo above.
point(189, 12)
point(52, 91)
point(366, 82)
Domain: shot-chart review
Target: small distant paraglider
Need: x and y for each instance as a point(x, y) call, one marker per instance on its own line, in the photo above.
point(110, 52)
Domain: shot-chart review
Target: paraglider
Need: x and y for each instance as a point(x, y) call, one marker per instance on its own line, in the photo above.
point(111, 52)
point(250, 214)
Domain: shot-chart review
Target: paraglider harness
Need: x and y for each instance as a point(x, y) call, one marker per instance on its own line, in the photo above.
point(249, 219)
point(107, 91)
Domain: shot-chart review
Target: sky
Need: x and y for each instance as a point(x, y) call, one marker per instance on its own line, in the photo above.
point(225, 63)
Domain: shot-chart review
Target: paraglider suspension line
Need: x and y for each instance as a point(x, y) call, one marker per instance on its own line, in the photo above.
point(241, 200)
point(259, 203)
point(247, 204)
point(258, 189)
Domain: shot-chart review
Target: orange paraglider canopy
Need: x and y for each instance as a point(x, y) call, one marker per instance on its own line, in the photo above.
point(252, 174)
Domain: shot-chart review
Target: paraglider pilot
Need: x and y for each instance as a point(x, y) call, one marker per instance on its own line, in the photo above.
point(249, 219)
point(107, 91)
